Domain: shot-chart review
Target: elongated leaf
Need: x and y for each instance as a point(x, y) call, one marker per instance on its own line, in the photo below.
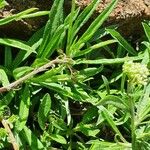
point(113, 100)
point(52, 24)
point(35, 40)
point(53, 79)
point(94, 47)
point(36, 14)
point(64, 91)
point(107, 116)
point(122, 41)
point(23, 109)
point(31, 139)
point(97, 144)
point(16, 16)
point(87, 129)
point(7, 98)
point(146, 57)
point(80, 21)
point(85, 15)
point(3, 78)
point(147, 30)
point(59, 124)
point(58, 138)
point(109, 61)
point(89, 115)
point(39, 62)
point(48, 74)
point(143, 107)
point(91, 71)
point(93, 28)
point(16, 44)
point(147, 44)
point(106, 83)
point(54, 42)
point(98, 22)
point(8, 56)
point(19, 72)
point(70, 30)
point(44, 110)
point(2, 3)
point(55, 15)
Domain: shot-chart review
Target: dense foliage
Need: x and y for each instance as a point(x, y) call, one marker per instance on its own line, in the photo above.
point(74, 85)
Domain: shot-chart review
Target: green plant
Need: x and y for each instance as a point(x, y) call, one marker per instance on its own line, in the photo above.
point(61, 90)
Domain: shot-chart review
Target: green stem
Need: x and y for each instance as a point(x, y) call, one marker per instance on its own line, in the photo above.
point(132, 112)
point(133, 125)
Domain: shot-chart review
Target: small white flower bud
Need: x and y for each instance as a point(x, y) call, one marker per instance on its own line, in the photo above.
point(136, 72)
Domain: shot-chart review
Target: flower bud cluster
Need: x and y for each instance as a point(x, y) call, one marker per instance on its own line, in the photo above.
point(136, 72)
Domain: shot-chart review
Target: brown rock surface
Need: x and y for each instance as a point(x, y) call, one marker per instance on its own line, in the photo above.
point(24, 28)
point(128, 14)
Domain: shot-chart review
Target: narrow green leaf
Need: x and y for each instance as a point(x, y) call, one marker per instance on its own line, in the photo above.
point(3, 78)
point(123, 81)
point(147, 44)
point(55, 15)
point(106, 83)
point(146, 57)
point(36, 14)
point(58, 88)
point(80, 21)
point(73, 92)
point(16, 44)
point(23, 109)
point(87, 129)
point(108, 61)
point(147, 30)
point(59, 124)
point(53, 79)
point(16, 16)
point(2, 3)
point(143, 107)
point(112, 100)
point(93, 28)
point(34, 42)
point(70, 22)
point(91, 71)
point(108, 117)
point(38, 62)
point(20, 72)
point(89, 115)
point(7, 98)
point(8, 56)
point(58, 138)
point(122, 41)
point(52, 24)
point(85, 15)
point(94, 47)
point(54, 42)
point(97, 144)
point(31, 139)
point(44, 110)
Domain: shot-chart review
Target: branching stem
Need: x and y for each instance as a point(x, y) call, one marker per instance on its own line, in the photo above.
point(10, 134)
point(34, 72)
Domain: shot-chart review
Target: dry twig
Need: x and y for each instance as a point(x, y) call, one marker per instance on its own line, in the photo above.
point(34, 72)
point(10, 134)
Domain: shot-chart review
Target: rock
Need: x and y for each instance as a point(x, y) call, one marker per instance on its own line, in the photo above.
point(25, 28)
point(128, 14)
